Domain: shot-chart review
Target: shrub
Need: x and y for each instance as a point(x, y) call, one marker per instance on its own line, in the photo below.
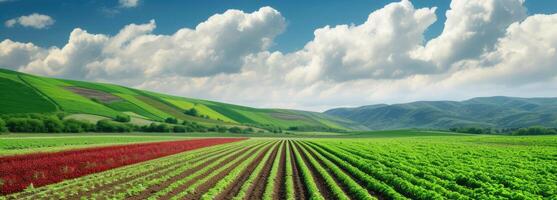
point(53, 125)
point(76, 126)
point(122, 118)
point(110, 126)
point(179, 129)
point(3, 126)
point(171, 120)
point(25, 125)
point(235, 129)
point(192, 112)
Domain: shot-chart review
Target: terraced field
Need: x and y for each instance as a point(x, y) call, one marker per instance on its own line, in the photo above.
point(431, 167)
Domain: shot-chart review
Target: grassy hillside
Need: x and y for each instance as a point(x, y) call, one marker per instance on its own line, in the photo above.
point(25, 93)
point(495, 112)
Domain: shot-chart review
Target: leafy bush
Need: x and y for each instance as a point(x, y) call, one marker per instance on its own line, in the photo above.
point(535, 130)
point(3, 126)
point(76, 126)
point(110, 126)
point(171, 120)
point(192, 112)
point(25, 125)
point(53, 124)
point(122, 118)
point(235, 129)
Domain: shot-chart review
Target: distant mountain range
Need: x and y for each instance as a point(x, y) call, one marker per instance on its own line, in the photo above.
point(495, 112)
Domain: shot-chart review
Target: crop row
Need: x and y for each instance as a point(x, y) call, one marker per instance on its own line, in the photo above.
point(305, 169)
point(34, 170)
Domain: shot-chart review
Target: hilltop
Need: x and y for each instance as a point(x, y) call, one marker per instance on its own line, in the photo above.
point(25, 93)
point(493, 112)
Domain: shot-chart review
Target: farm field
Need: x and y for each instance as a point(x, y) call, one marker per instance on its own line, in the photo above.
point(389, 167)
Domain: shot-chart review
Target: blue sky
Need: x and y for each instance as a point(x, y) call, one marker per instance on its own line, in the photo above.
point(310, 55)
point(303, 17)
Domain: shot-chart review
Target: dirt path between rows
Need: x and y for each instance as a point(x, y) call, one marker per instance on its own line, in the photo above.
point(239, 182)
point(299, 188)
point(203, 188)
point(256, 189)
point(317, 178)
point(280, 191)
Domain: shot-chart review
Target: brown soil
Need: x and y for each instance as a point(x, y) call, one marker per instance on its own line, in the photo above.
point(104, 97)
point(203, 188)
point(237, 185)
point(280, 190)
point(258, 187)
point(299, 188)
point(317, 178)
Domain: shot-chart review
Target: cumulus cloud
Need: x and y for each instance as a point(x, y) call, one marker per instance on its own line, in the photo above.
point(472, 28)
point(488, 47)
point(128, 3)
point(35, 20)
point(215, 46)
point(379, 48)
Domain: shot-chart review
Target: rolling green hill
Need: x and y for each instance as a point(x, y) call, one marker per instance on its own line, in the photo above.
point(495, 112)
point(25, 93)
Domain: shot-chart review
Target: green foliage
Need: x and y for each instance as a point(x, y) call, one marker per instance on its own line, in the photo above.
point(192, 112)
point(25, 125)
point(235, 129)
point(77, 126)
point(536, 130)
point(111, 126)
point(3, 128)
point(171, 120)
point(122, 118)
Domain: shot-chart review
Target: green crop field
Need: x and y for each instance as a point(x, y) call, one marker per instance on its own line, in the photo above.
point(366, 165)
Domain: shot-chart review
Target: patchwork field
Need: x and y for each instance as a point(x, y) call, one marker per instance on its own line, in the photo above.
point(388, 165)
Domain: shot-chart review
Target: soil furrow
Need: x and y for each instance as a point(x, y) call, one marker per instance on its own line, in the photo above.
point(201, 189)
point(237, 185)
point(299, 187)
point(258, 186)
point(317, 178)
point(280, 191)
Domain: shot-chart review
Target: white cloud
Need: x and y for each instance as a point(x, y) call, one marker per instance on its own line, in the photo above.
point(128, 3)
point(472, 28)
point(378, 48)
point(35, 20)
point(487, 48)
point(215, 46)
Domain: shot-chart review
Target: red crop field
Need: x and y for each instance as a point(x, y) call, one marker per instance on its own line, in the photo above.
point(39, 169)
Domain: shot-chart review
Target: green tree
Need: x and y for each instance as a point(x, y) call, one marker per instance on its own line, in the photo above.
point(3, 126)
point(192, 112)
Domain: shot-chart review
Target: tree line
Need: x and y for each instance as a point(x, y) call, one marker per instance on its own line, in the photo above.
point(58, 123)
point(533, 130)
